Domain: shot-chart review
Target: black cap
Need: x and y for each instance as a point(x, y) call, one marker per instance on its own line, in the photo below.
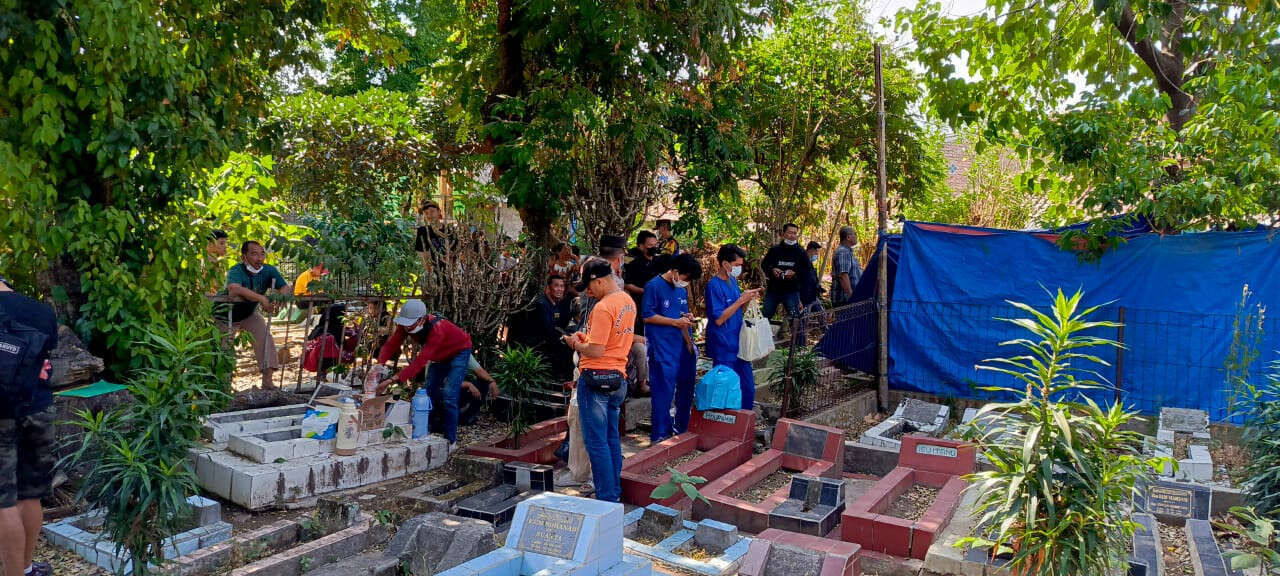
point(613, 241)
point(594, 270)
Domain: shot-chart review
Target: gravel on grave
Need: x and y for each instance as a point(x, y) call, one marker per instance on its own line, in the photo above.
point(913, 503)
point(1181, 445)
point(858, 427)
point(659, 470)
point(65, 562)
point(760, 491)
point(1177, 554)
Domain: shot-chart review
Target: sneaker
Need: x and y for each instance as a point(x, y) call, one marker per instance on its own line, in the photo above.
point(40, 569)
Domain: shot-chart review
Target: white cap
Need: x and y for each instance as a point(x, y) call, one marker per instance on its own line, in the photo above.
point(412, 311)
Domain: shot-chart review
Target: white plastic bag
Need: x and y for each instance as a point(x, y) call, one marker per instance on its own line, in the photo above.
point(756, 339)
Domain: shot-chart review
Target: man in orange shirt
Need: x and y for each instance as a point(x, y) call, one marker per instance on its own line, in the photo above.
point(602, 387)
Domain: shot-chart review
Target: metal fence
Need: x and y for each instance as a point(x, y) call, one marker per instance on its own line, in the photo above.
point(828, 357)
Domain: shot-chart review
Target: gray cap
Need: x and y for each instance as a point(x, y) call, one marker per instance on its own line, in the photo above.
point(412, 311)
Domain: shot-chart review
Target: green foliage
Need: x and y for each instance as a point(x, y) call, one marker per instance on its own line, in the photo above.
point(112, 112)
point(1063, 468)
point(1259, 405)
point(995, 194)
point(242, 198)
point(680, 482)
point(333, 152)
point(1261, 547)
point(579, 101)
point(520, 371)
point(367, 250)
point(1246, 338)
point(803, 376)
point(1177, 116)
point(135, 460)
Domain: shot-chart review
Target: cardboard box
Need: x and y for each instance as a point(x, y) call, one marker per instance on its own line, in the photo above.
point(373, 413)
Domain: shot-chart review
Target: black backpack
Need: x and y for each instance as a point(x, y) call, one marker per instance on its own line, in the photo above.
point(20, 358)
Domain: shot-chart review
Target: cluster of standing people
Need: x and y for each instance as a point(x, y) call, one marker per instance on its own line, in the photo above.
point(636, 328)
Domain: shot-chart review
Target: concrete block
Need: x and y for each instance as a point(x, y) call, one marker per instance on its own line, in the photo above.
point(716, 536)
point(333, 515)
point(206, 511)
point(218, 533)
point(659, 521)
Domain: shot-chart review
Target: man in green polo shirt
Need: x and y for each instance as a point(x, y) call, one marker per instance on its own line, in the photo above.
point(247, 286)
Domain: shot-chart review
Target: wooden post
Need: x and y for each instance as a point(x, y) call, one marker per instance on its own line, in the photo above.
point(882, 226)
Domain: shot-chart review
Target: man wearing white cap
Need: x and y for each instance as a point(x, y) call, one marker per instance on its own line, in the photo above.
point(446, 347)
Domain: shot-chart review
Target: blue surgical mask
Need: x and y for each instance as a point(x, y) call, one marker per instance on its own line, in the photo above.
point(814, 258)
point(735, 272)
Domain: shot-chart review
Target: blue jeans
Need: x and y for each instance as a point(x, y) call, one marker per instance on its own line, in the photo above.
point(668, 383)
point(444, 383)
point(746, 380)
point(599, 414)
point(790, 300)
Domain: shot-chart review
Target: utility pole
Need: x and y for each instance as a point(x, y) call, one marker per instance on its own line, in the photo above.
point(882, 228)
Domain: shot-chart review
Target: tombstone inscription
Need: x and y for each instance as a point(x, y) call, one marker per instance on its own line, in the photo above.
point(550, 532)
point(1176, 501)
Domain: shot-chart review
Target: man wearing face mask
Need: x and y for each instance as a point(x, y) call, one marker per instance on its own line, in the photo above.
point(724, 302)
point(785, 265)
point(672, 356)
point(443, 345)
point(638, 271)
point(247, 285)
point(810, 287)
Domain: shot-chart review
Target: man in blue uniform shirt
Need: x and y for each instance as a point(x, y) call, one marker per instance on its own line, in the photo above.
point(672, 355)
point(724, 302)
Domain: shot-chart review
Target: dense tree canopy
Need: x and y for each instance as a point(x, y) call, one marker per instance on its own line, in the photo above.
point(112, 111)
point(1179, 112)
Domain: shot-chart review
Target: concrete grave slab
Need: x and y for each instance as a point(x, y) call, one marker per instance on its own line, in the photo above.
point(497, 505)
point(932, 462)
point(538, 445)
point(435, 542)
point(557, 534)
point(70, 534)
point(912, 416)
point(788, 435)
point(725, 438)
point(781, 552)
point(1175, 502)
point(675, 535)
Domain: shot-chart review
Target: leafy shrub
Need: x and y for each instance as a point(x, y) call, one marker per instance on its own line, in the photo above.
point(803, 376)
point(1261, 547)
point(135, 457)
point(519, 372)
point(1064, 468)
point(1259, 405)
point(680, 482)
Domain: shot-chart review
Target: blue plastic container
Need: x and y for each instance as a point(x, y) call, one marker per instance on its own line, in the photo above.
point(421, 413)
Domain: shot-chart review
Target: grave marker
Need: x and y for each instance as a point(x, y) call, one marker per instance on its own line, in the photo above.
point(806, 441)
point(551, 532)
point(720, 417)
point(1175, 501)
point(931, 450)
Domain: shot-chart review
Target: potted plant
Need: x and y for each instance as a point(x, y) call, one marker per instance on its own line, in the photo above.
point(520, 372)
point(1063, 468)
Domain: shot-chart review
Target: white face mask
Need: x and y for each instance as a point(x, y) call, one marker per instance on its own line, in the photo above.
point(681, 284)
point(251, 269)
point(418, 329)
point(790, 242)
point(735, 272)
point(813, 259)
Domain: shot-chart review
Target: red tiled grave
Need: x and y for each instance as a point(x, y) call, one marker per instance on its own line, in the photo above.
point(928, 461)
point(537, 445)
point(725, 437)
point(838, 558)
point(797, 447)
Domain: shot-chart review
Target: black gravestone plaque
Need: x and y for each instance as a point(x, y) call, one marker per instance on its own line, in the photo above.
point(806, 441)
point(1175, 501)
point(550, 532)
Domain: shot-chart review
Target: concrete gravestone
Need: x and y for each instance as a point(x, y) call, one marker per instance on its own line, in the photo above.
point(1175, 502)
point(812, 507)
point(557, 534)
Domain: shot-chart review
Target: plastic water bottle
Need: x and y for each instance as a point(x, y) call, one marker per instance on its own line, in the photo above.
point(421, 412)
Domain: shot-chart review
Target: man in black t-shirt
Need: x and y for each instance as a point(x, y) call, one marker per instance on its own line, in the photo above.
point(638, 271)
point(785, 265)
point(433, 242)
point(26, 429)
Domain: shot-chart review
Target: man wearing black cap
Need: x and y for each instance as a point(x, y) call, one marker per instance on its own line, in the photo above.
point(28, 333)
point(602, 349)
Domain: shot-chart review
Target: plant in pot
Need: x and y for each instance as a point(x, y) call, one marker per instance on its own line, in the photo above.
point(134, 459)
point(787, 387)
point(519, 372)
point(1064, 468)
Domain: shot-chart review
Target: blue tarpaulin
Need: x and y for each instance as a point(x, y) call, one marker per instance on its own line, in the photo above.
point(1178, 296)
